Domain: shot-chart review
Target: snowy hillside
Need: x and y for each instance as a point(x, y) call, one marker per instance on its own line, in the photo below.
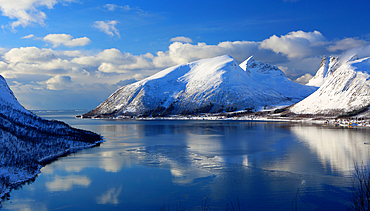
point(346, 89)
point(27, 141)
point(208, 85)
point(273, 77)
point(327, 67)
point(7, 97)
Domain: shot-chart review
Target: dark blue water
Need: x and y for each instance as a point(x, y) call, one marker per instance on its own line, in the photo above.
point(149, 165)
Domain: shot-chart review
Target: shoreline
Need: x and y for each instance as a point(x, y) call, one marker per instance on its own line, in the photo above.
point(14, 172)
point(265, 116)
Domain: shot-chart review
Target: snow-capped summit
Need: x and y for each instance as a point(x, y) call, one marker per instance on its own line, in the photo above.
point(253, 67)
point(206, 85)
point(327, 67)
point(347, 88)
point(273, 77)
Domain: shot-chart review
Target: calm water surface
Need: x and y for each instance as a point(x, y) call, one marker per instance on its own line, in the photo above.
point(144, 165)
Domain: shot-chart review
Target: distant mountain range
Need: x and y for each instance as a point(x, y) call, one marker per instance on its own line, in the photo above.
point(27, 142)
point(208, 85)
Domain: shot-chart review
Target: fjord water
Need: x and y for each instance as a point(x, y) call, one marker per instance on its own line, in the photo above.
point(149, 165)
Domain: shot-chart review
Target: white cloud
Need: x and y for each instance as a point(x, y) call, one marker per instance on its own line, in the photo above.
point(304, 78)
point(347, 43)
point(29, 55)
point(66, 40)
point(26, 12)
point(107, 27)
point(298, 44)
point(28, 36)
point(179, 53)
point(181, 39)
point(113, 60)
point(82, 74)
point(59, 82)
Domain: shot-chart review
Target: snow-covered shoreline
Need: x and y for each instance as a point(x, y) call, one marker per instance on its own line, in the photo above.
point(255, 117)
point(18, 178)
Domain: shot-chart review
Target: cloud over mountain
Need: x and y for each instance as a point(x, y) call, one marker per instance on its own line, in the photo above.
point(33, 69)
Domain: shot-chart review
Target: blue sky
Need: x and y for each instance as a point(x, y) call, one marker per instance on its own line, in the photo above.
point(72, 54)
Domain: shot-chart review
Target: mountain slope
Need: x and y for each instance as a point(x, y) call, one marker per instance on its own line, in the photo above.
point(273, 77)
point(327, 67)
point(346, 89)
point(206, 85)
point(7, 97)
point(27, 142)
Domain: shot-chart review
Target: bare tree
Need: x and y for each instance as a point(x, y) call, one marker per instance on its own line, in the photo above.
point(360, 199)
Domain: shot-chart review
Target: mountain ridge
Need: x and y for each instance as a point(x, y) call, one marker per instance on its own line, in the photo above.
point(27, 141)
point(346, 89)
point(207, 85)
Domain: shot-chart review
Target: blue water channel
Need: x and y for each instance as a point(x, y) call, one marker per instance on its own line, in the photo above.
point(156, 164)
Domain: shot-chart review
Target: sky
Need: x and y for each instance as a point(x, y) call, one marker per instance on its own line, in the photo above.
point(72, 54)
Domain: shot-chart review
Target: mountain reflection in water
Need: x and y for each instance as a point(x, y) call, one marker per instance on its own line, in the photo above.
point(144, 164)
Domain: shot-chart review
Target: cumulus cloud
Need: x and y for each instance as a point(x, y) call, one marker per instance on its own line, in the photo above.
point(179, 53)
point(33, 60)
point(108, 27)
point(59, 82)
point(29, 55)
point(113, 60)
point(81, 73)
point(304, 78)
point(26, 12)
point(181, 39)
point(66, 40)
point(298, 44)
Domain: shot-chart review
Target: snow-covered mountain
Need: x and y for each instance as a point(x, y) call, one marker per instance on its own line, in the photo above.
point(7, 97)
point(273, 77)
point(208, 85)
point(28, 141)
point(346, 89)
point(327, 67)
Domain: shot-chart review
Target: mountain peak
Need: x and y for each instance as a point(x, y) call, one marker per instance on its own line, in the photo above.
point(327, 66)
point(247, 63)
point(323, 61)
point(352, 58)
point(345, 88)
point(214, 84)
point(273, 77)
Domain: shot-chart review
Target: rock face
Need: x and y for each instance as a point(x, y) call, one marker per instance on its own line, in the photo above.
point(327, 67)
point(274, 78)
point(346, 89)
point(28, 141)
point(208, 85)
